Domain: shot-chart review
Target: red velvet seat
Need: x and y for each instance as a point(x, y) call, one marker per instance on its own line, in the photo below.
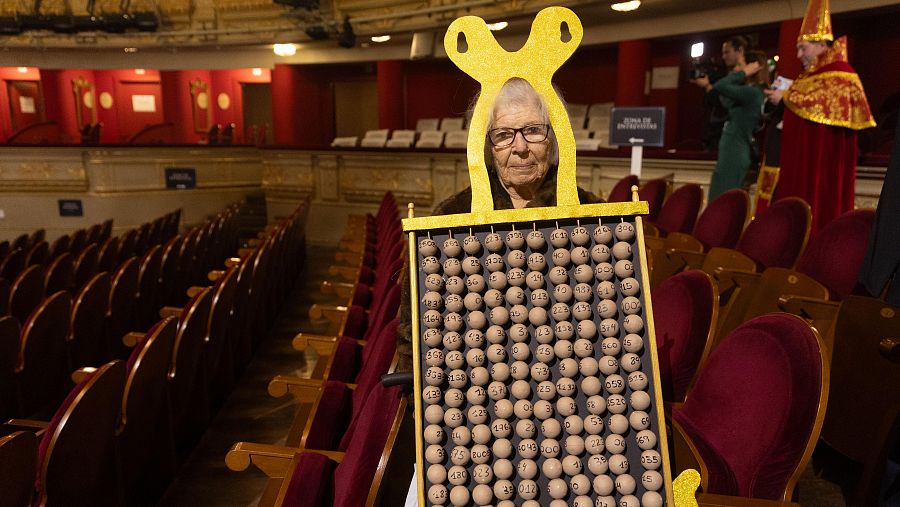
point(37, 236)
point(216, 345)
point(60, 274)
point(834, 256)
point(169, 270)
point(78, 242)
point(87, 345)
point(41, 374)
point(128, 245)
point(721, 223)
point(654, 192)
point(22, 241)
point(345, 361)
point(777, 236)
point(4, 248)
point(26, 292)
point(621, 191)
point(685, 309)
point(679, 211)
point(755, 412)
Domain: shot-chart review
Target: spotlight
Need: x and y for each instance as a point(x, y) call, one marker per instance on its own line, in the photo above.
point(626, 6)
point(697, 50)
point(284, 49)
point(347, 39)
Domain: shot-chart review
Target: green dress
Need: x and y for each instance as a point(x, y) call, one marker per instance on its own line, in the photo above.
point(744, 103)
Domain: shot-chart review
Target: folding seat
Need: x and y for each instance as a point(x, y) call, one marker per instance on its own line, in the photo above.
point(169, 270)
point(37, 236)
point(26, 292)
point(61, 245)
point(86, 264)
point(87, 345)
point(78, 242)
point(655, 192)
point(18, 467)
point(4, 249)
point(149, 298)
point(128, 245)
point(120, 314)
point(4, 296)
point(242, 344)
point(12, 264)
point(22, 241)
point(41, 374)
point(685, 309)
point(105, 230)
point(108, 255)
point(10, 333)
point(142, 243)
point(144, 432)
point(748, 439)
point(621, 191)
point(217, 349)
point(679, 211)
point(60, 273)
point(38, 254)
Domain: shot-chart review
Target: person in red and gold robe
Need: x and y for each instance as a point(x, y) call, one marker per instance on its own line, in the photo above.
point(824, 109)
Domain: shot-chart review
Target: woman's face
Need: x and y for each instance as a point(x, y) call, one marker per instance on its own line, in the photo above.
point(521, 164)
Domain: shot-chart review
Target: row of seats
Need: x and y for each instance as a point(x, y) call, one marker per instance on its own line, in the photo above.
point(431, 139)
point(121, 432)
point(336, 451)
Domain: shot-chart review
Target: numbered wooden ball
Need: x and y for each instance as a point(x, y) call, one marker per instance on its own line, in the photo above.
point(476, 283)
point(629, 501)
point(629, 287)
point(453, 342)
point(497, 391)
point(497, 280)
point(631, 362)
point(651, 480)
point(434, 357)
point(562, 294)
point(602, 234)
point(584, 274)
point(573, 425)
point(624, 231)
point(480, 454)
point(598, 464)
point(537, 262)
point(615, 444)
point(593, 444)
point(459, 496)
point(435, 454)
point(604, 271)
point(543, 410)
point(457, 379)
point(615, 384)
point(588, 366)
point(558, 275)
point(568, 367)
point(521, 351)
point(436, 474)
point(566, 387)
point(600, 253)
point(618, 464)
point(580, 484)
point(632, 343)
point(574, 445)
point(454, 303)
point(433, 434)
point(471, 266)
point(515, 240)
point(646, 439)
point(492, 298)
point(481, 434)
point(552, 468)
point(482, 495)
point(550, 428)
point(471, 245)
point(539, 371)
point(501, 429)
point(427, 247)
point(559, 238)
point(550, 448)
point(622, 250)
point(454, 417)
point(584, 293)
point(479, 376)
point(476, 319)
point(651, 499)
point(583, 501)
point(608, 365)
point(587, 329)
point(452, 248)
point(515, 295)
point(583, 348)
point(631, 305)
point(639, 400)
point(617, 423)
point(453, 321)
point(563, 349)
point(616, 404)
point(611, 346)
point(579, 256)
point(624, 268)
point(582, 310)
point(637, 381)
point(434, 376)
point(432, 395)
point(535, 240)
point(503, 468)
point(633, 324)
point(527, 469)
point(546, 390)
point(651, 459)
point(455, 285)
point(526, 429)
point(432, 319)
point(496, 353)
point(564, 330)
point(537, 316)
point(499, 316)
point(461, 435)
point(606, 290)
point(476, 395)
point(562, 257)
point(475, 358)
point(431, 265)
point(603, 485)
point(528, 448)
point(565, 406)
point(504, 489)
point(544, 353)
point(523, 409)
point(605, 501)
point(432, 337)
point(516, 259)
point(477, 414)
point(520, 389)
point(625, 483)
point(528, 489)
point(452, 267)
point(437, 494)
point(493, 242)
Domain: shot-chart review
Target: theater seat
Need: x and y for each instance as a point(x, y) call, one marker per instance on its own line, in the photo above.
point(18, 467)
point(621, 192)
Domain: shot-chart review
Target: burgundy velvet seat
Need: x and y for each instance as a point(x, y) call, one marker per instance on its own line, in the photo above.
point(721, 223)
point(94, 234)
point(4, 248)
point(37, 236)
point(76, 456)
point(38, 254)
point(18, 467)
point(60, 274)
point(679, 211)
point(317, 481)
point(756, 410)
point(26, 292)
point(346, 358)
point(834, 256)
point(621, 191)
point(12, 264)
point(216, 345)
point(105, 230)
point(78, 242)
point(108, 255)
point(777, 236)
point(128, 245)
point(121, 310)
point(685, 309)
point(22, 241)
point(61, 245)
point(86, 264)
point(654, 192)
point(41, 374)
point(87, 346)
point(4, 296)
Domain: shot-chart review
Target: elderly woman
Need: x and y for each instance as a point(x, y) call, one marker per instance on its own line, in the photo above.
point(522, 158)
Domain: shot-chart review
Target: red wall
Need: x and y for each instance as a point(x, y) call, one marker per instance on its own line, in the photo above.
point(436, 89)
point(12, 74)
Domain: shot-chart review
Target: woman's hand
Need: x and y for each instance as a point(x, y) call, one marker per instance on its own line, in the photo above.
point(750, 68)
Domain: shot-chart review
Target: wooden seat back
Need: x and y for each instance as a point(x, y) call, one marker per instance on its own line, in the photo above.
point(60, 245)
point(169, 269)
point(223, 296)
point(9, 352)
point(60, 274)
point(109, 255)
point(148, 298)
point(184, 367)
point(121, 310)
point(87, 346)
point(12, 264)
point(18, 467)
point(38, 253)
point(41, 365)
point(26, 292)
point(86, 264)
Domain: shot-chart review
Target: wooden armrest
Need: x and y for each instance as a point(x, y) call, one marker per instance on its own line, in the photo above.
point(728, 278)
point(340, 289)
point(687, 258)
point(650, 230)
point(303, 390)
point(193, 291)
point(244, 252)
point(321, 343)
point(711, 500)
point(889, 347)
point(683, 241)
point(334, 313)
point(133, 338)
point(346, 273)
point(232, 262)
point(79, 375)
point(215, 274)
point(274, 460)
point(685, 454)
point(808, 308)
point(30, 425)
point(254, 241)
point(170, 311)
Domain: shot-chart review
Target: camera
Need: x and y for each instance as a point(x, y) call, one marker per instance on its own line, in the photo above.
point(702, 67)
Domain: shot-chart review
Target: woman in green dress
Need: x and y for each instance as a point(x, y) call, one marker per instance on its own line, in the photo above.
point(742, 93)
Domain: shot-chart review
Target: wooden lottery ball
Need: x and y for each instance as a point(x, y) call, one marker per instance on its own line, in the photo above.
point(537, 262)
point(629, 287)
point(579, 256)
point(499, 316)
point(563, 349)
point(427, 247)
point(540, 372)
point(568, 367)
point(610, 346)
point(453, 321)
point(581, 485)
point(593, 444)
point(435, 454)
point(583, 501)
point(609, 327)
point(546, 390)
point(637, 381)
point(566, 387)
point(544, 334)
point(523, 409)
point(562, 257)
point(481, 434)
point(503, 468)
point(598, 464)
point(525, 428)
point(528, 489)
point(618, 464)
point(604, 271)
point(632, 343)
point(454, 417)
point(432, 319)
point(633, 324)
point(479, 376)
point(496, 353)
point(617, 423)
point(518, 332)
point(602, 234)
point(520, 389)
point(651, 480)
point(631, 362)
point(621, 250)
point(493, 298)
point(566, 406)
point(494, 334)
point(437, 494)
point(434, 414)
point(572, 463)
point(606, 290)
point(593, 424)
point(591, 386)
point(600, 253)
point(583, 348)
point(646, 439)
point(460, 455)
point(500, 372)
point(615, 403)
point(608, 365)
point(457, 379)
point(434, 357)
point(471, 245)
point(432, 300)
point(504, 489)
point(497, 391)
point(614, 384)
point(606, 309)
point(651, 499)
point(476, 283)
point(515, 240)
point(432, 337)
point(452, 248)
point(557, 488)
point(477, 414)
point(625, 483)
point(503, 409)
point(631, 305)
point(527, 448)
point(588, 366)
point(573, 425)
point(603, 485)
point(583, 274)
point(482, 494)
point(454, 303)
point(561, 311)
point(493, 242)
point(452, 267)
point(535, 280)
point(639, 400)
point(516, 278)
point(559, 238)
point(461, 435)
point(587, 329)
point(558, 275)
point(434, 376)
point(580, 236)
point(475, 357)
point(651, 459)
point(540, 297)
point(501, 427)
point(596, 405)
point(544, 353)
point(624, 268)
point(473, 301)
point(537, 316)
point(518, 370)
point(455, 285)
point(605, 501)
point(436, 474)
point(552, 468)
point(433, 434)
point(515, 295)
point(453, 342)
point(535, 240)
point(476, 319)
point(624, 231)
point(483, 473)
point(582, 310)
point(497, 280)
point(432, 395)
point(543, 410)
point(629, 501)
point(615, 444)
point(516, 259)
point(494, 262)
point(480, 454)
point(459, 495)
point(476, 395)
point(584, 292)
point(550, 428)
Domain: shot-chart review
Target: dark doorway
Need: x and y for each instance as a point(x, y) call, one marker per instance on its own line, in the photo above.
point(257, 99)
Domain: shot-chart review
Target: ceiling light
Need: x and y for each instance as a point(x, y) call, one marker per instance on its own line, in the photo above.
point(697, 50)
point(256, 71)
point(626, 6)
point(140, 72)
point(381, 38)
point(285, 49)
point(22, 70)
point(496, 27)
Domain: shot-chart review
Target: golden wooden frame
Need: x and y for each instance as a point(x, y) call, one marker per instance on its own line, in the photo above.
point(197, 87)
point(80, 86)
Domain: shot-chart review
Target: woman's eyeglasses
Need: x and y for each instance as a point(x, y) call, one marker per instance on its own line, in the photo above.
point(503, 137)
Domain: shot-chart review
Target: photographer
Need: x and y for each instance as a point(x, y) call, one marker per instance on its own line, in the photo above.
point(704, 75)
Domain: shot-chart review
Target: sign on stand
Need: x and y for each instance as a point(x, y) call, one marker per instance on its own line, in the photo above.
point(637, 127)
